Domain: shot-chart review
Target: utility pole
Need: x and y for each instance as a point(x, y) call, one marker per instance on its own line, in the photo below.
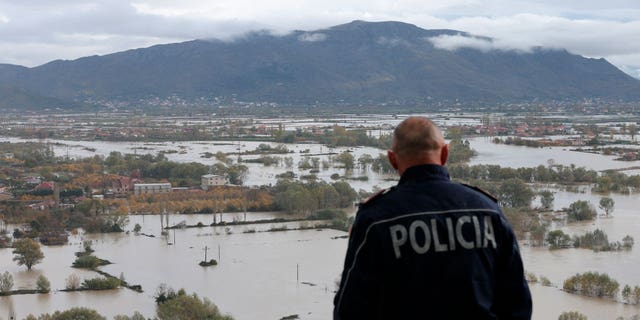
point(162, 221)
point(205, 253)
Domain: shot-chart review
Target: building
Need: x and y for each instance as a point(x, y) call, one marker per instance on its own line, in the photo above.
point(47, 185)
point(122, 186)
point(212, 180)
point(147, 188)
point(34, 181)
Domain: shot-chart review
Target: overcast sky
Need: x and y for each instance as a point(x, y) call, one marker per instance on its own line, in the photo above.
point(33, 32)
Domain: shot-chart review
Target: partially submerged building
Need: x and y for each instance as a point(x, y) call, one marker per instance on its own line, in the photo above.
point(149, 188)
point(212, 180)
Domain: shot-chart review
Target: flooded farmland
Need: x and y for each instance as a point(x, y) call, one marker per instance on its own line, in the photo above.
point(275, 274)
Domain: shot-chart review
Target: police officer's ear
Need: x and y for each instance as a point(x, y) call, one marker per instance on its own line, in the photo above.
point(392, 159)
point(444, 154)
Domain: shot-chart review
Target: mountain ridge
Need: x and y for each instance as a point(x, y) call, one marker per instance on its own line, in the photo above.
point(355, 63)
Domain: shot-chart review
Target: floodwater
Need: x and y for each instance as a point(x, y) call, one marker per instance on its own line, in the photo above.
point(269, 275)
point(521, 156)
point(258, 174)
point(625, 220)
point(256, 277)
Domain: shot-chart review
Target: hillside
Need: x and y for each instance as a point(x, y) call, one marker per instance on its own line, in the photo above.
point(358, 62)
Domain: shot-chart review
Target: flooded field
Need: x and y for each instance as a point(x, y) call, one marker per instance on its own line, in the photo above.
point(257, 274)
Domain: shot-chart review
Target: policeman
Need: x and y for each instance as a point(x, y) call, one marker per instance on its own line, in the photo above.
point(430, 248)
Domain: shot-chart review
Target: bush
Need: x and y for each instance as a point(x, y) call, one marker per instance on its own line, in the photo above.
point(87, 246)
point(89, 262)
point(211, 262)
point(328, 214)
point(101, 283)
point(6, 282)
point(164, 293)
point(71, 314)
point(592, 284)
point(627, 242)
point(72, 282)
point(136, 316)
point(545, 281)
point(43, 284)
point(188, 307)
point(531, 277)
point(558, 239)
point(572, 315)
point(581, 210)
point(596, 240)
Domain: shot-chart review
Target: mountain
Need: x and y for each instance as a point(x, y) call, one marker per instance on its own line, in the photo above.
point(12, 97)
point(357, 62)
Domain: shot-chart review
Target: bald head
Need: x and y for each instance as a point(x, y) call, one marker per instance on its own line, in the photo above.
point(417, 140)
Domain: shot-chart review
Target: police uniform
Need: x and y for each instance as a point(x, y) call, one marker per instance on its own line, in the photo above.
point(430, 248)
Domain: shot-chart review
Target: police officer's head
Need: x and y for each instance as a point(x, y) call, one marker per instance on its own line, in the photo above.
point(416, 141)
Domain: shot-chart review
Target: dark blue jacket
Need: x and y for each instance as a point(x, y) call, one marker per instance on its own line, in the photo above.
point(430, 248)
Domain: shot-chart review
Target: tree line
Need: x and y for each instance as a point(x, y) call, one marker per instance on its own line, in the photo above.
point(608, 181)
point(306, 198)
point(596, 240)
point(601, 285)
point(158, 167)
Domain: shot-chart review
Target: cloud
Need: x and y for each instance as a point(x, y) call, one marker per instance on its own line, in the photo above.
point(392, 41)
point(312, 37)
point(33, 32)
point(616, 41)
point(594, 38)
point(629, 63)
point(455, 42)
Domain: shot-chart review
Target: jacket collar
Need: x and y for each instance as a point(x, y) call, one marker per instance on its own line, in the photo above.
point(424, 172)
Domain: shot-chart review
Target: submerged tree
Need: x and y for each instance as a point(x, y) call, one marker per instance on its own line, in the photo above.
point(347, 160)
point(581, 210)
point(626, 293)
point(607, 204)
point(27, 252)
point(558, 239)
point(514, 193)
point(546, 199)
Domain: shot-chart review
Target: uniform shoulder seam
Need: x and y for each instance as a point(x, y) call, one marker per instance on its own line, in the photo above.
point(484, 192)
point(375, 196)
